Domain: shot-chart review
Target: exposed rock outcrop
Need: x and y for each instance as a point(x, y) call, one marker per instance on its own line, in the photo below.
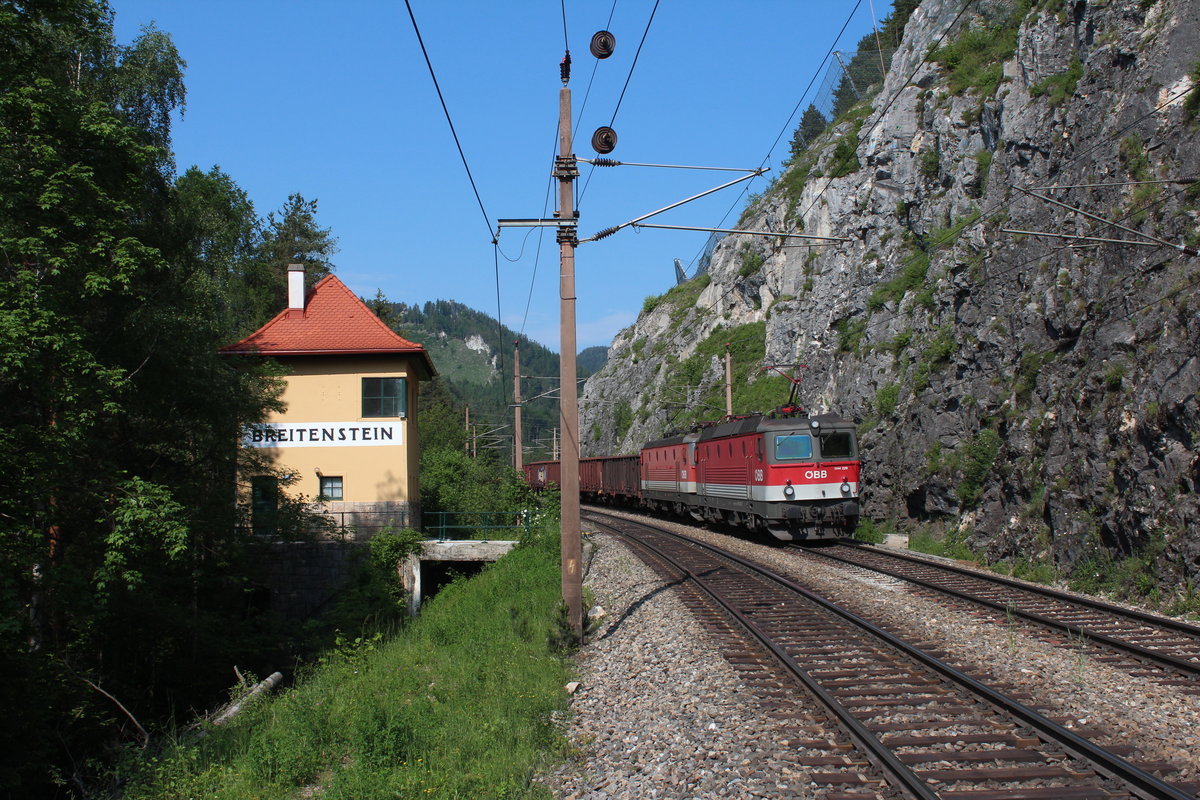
point(1038, 394)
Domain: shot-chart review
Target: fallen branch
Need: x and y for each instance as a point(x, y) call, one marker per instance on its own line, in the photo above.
point(230, 711)
point(144, 735)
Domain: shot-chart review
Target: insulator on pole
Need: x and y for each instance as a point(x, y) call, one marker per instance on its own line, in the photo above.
point(603, 44)
point(605, 233)
point(604, 140)
point(564, 69)
point(605, 162)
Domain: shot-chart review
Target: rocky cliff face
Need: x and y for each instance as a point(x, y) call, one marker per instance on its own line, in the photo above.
point(1035, 394)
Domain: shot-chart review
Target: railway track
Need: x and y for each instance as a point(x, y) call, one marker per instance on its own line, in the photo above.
point(907, 724)
point(1149, 646)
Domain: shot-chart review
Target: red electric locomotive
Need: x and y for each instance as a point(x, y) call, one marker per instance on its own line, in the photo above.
point(794, 477)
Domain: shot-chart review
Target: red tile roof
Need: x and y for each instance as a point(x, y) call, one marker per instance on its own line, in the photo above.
point(333, 322)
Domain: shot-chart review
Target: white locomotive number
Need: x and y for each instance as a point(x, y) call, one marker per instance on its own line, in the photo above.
point(816, 474)
point(758, 475)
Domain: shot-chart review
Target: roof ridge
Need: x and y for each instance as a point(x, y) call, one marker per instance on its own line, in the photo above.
point(334, 320)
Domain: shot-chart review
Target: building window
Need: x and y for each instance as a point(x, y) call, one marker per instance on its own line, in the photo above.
point(264, 504)
point(384, 397)
point(331, 487)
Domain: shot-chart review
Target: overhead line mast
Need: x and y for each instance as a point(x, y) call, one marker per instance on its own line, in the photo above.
point(566, 170)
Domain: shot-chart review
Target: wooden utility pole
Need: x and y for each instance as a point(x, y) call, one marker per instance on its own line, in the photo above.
point(467, 429)
point(518, 461)
point(566, 170)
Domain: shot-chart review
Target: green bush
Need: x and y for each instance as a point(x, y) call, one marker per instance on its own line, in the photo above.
point(622, 419)
point(952, 545)
point(975, 59)
point(886, 400)
point(931, 163)
point(752, 262)
point(870, 531)
point(1060, 87)
point(983, 160)
point(916, 269)
point(845, 154)
point(1114, 376)
point(1191, 103)
point(851, 335)
point(980, 454)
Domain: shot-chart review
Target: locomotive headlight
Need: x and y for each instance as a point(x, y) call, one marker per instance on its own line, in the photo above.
point(814, 424)
point(845, 488)
point(789, 491)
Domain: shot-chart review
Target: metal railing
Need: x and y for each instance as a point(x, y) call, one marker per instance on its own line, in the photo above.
point(486, 525)
point(483, 525)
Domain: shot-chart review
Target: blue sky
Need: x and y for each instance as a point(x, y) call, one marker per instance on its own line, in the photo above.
point(334, 101)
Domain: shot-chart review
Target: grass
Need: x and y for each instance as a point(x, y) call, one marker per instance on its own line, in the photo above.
point(845, 153)
point(851, 335)
point(936, 354)
point(1191, 104)
point(459, 704)
point(975, 58)
point(952, 545)
point(870, 531)
point(1059, 88)
point(916, 269)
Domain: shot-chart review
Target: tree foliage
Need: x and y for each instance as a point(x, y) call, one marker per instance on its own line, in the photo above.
point(812, 125)
point(121, 576)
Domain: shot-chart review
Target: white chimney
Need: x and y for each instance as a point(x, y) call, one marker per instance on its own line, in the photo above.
point(295, 287)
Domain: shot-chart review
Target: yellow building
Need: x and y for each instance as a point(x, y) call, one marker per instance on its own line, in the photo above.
point(347, 435)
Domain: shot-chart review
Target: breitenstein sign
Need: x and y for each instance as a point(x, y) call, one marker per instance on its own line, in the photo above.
point(324, 434)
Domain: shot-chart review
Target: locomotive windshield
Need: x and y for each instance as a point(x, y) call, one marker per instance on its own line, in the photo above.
point(839, 444)
point(793, 446)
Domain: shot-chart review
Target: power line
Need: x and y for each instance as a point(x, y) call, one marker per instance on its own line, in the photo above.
point(486, 219)
point(788, 122)
point(628, 78)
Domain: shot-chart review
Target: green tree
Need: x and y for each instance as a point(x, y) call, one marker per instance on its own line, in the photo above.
point(118, 562)
point(812, 125)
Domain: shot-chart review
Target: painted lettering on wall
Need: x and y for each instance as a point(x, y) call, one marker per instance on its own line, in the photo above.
point(324, 434)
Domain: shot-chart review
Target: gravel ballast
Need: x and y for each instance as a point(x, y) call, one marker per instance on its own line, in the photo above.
point(659, 713)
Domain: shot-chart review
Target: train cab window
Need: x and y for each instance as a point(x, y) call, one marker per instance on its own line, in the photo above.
point(793, 446)
point(839, 444)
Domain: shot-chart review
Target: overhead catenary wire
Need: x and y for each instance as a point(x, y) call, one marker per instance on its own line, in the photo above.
point(487, 220)
point(445, 110)
point(632, 66)
point(788, 122)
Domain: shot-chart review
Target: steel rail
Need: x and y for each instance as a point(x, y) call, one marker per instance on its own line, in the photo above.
point(1181, 664)
point(870, 743)
point(1142, 782)
point(1141, 616)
